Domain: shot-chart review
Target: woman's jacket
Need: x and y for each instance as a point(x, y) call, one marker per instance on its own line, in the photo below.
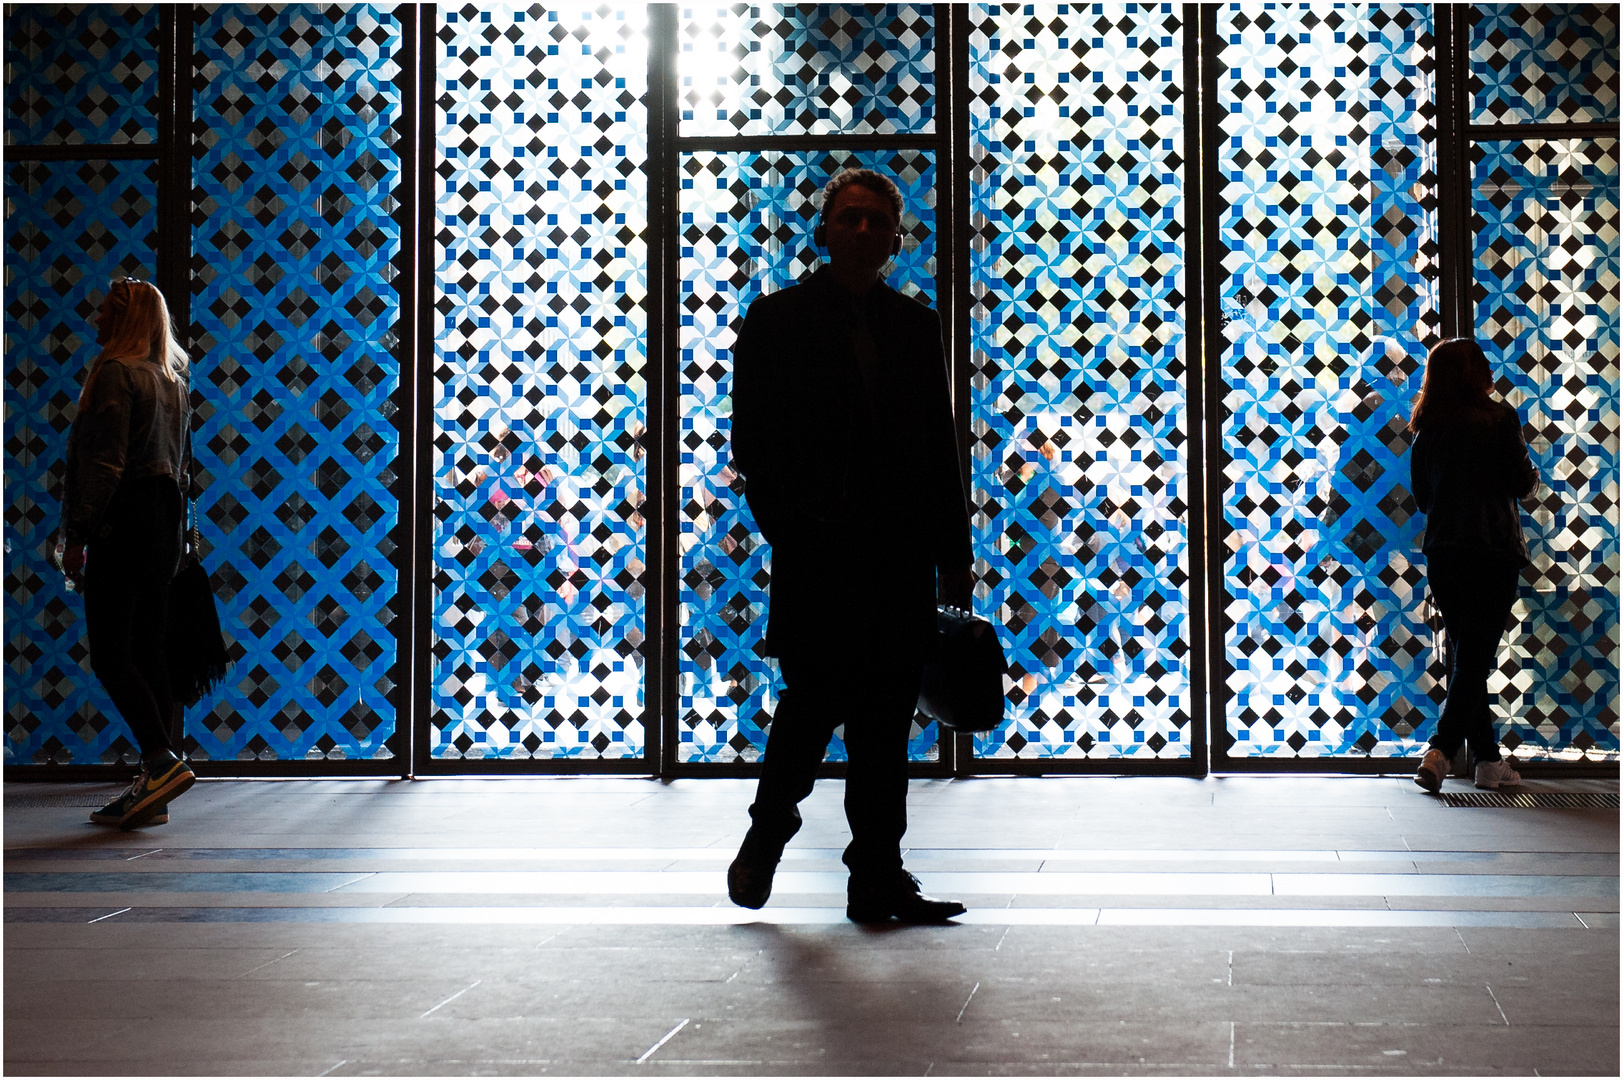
point(1466, 475)
point(131, 424)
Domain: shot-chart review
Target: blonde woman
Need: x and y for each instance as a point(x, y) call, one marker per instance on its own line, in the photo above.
point(122, 516)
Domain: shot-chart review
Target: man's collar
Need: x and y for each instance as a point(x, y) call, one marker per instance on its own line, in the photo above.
point(823, 277)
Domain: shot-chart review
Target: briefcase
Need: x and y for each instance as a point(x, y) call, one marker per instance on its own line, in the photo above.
point(963, 682)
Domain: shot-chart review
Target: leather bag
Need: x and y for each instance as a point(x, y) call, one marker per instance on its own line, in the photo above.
point(963, 682)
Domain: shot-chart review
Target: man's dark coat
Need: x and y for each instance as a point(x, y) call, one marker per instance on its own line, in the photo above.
point(858, 492)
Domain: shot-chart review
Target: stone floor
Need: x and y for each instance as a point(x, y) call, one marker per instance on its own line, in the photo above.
point(1228, 926)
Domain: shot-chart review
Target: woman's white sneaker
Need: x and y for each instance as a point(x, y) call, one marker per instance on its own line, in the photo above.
point(1493, 775)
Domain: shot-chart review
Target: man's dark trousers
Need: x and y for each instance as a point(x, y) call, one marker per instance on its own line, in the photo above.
point(874, 693)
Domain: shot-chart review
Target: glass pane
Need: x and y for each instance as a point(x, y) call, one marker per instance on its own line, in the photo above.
point(71, 227)
point(539, 406)
point(1329, 300)
point(807, 69)
point(746, 230)
point(81, 73)
point(1076, 131)
point(294, 312)
point(1546, 295)
point(1543, 63)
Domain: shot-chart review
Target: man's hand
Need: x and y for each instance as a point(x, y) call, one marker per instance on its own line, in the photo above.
point(73, 565)
point(956, 587)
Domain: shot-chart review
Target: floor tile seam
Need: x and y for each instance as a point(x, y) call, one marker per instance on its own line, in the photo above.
point(1513, 863)
point(1231, 918)
point(1602, 893)
point(1586, 904)
point(831, 866)
point(725, 850)
point(332, 876)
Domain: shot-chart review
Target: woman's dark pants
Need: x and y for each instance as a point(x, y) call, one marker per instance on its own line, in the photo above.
point(127, 577)
point(1475, 596)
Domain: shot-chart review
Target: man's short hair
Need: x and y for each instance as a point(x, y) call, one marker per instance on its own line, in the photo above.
point(877, 183)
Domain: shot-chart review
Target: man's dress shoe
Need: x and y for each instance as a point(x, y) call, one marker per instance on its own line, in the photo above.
point(896, 897)
point(749, 880)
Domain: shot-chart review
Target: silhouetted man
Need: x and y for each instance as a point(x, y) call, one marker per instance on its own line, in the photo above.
point(843, 431)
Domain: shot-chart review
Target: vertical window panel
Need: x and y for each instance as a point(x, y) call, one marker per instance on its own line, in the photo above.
point(71, 227)
point(806, 69)
point(1329, 301)
point(746, 224)
point(1544, 63)
point(1546, 223)
point(294, 311)
point(81, 73)
point(539, 475)
point(1079, 430)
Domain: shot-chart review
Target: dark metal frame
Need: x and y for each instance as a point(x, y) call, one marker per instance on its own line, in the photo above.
point(1452, 39)
point(1205, 342)
point(658, 441)
point(1201, 319)
point(955, 295)
point(1213, 343)
point(1468, 135)
point(172, 255)
point(1455, 136)
point(414, 530)
point(665, 235)
point(661, 696)
point(1449, 59)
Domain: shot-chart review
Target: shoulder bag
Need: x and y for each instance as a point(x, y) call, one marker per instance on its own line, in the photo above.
point(196, 648)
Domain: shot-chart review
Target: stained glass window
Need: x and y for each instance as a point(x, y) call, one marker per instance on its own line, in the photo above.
point(1329, 301)
point(814, 69)
point(1544, 63)
point(540, 263)
point(81, 73)
point(71, 227)
point(1079, 435)
point(294, 316)
point(1547, 309)
point(746, 224)
point(1078, 445)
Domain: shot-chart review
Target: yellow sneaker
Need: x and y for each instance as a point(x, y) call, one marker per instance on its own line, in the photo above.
point(158, 783)
point(114, 812)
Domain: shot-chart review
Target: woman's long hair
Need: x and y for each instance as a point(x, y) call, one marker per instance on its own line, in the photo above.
point(141, 329)
point(1456, 385)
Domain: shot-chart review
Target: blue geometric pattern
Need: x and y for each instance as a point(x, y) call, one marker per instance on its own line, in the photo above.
point(807, 69)
point(1329, 298)
point(1544, 63)
point(540, 400)
point(71, 227)
point(746, 230)
point(294, 342)
point(1547, 307)
point(81, 73)
point(1078, 438)
point(1329, 266)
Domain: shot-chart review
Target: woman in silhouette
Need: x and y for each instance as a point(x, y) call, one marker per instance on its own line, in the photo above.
point(122, 514)
point(1468, 466)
